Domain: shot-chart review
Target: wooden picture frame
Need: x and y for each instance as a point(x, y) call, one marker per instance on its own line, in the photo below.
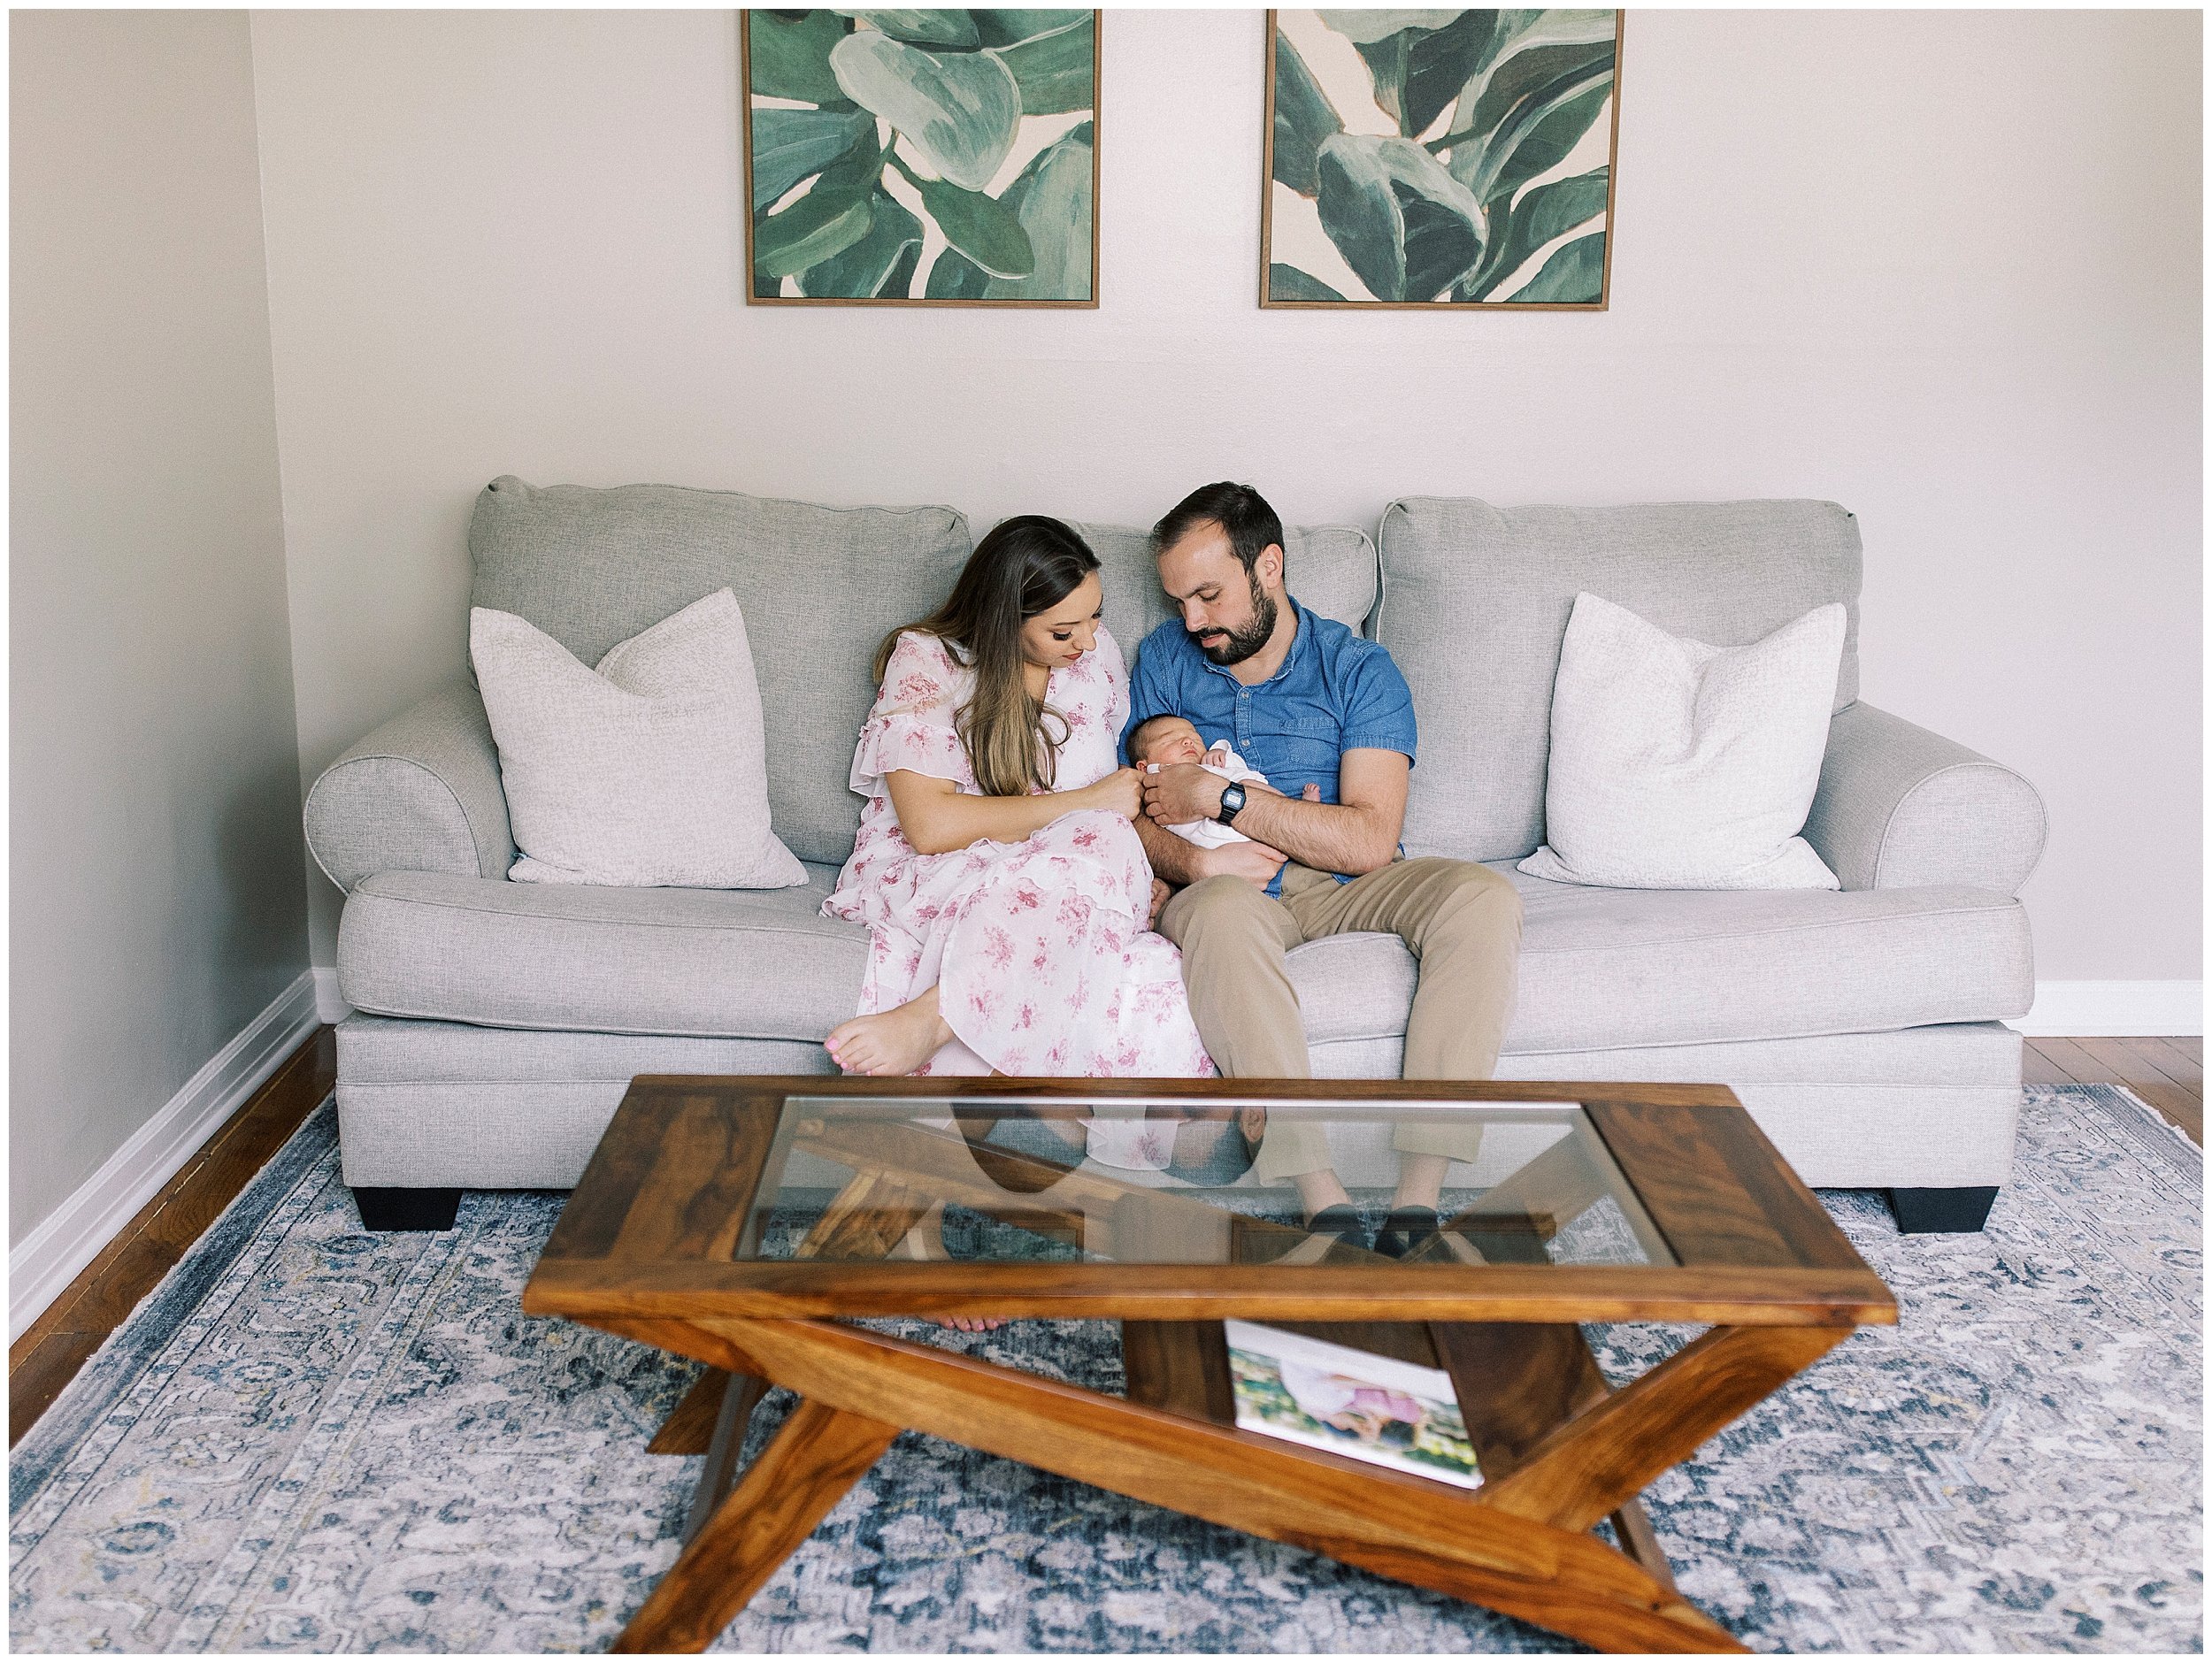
point(890, 236)
point(1291, 122)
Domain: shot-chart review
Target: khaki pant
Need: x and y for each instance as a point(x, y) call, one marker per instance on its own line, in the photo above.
point(1460, 921)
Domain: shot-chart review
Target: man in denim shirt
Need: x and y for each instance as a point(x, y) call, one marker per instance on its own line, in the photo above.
point(1307, 702)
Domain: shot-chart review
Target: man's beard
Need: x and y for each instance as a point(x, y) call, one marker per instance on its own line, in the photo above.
point(1243, 643)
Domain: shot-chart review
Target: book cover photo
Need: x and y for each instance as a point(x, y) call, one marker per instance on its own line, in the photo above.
point(1353, 1403)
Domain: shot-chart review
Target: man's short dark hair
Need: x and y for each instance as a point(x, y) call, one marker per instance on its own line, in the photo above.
point(1241, 512)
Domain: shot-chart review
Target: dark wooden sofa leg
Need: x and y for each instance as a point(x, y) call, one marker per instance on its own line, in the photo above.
point(1941, 1212)
point(407, 1209)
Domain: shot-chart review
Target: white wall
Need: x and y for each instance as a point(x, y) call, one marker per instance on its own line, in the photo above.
point(1942, 267)
point(154, 806)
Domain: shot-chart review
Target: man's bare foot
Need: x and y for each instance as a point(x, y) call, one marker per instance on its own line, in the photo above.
point(972, 1324)
point(892, 1041)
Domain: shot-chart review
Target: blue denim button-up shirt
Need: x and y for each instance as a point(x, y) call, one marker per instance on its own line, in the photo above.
point(1336, 691)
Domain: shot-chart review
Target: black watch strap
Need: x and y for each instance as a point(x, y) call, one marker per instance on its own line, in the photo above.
point(1232, 800)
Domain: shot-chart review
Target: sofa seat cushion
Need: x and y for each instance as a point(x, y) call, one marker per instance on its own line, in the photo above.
point(1608, 968)
point(760, 964)
point(1600, 969)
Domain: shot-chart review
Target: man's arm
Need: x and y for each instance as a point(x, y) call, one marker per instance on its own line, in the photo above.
point(1358, 833)
point(1171, 858)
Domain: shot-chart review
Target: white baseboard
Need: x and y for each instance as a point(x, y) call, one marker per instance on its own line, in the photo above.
point(71, 1236)
point(2117, 1010)
point(330, 1004)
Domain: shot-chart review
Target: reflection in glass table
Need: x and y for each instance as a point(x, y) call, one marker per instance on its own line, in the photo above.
point(1004, 1180)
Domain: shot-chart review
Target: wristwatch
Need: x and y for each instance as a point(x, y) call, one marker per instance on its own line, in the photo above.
point(1232, 800)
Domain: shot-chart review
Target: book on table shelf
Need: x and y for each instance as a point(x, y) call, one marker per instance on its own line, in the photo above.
point(1354, 1403)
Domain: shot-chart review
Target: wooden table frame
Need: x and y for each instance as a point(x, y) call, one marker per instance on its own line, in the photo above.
point(646, 1249)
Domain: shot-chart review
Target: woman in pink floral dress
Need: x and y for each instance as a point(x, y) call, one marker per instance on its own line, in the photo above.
point(1007, 897)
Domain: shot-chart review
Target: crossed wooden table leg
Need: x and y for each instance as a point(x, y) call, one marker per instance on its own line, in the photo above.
point(1520, 1545)
point(1560, 1450)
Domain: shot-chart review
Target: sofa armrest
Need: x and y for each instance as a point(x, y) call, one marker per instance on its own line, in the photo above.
point(1900, 807)
point(419, 794)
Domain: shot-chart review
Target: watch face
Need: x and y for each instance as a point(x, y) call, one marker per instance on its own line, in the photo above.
point(1232, 800)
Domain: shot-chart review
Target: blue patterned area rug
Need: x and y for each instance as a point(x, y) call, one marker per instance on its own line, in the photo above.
point(313, 1439)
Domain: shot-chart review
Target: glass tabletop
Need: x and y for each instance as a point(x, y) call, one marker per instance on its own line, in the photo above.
point(1189, 1180)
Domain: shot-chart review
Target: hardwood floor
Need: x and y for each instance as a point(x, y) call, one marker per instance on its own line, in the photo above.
point(47, 1355)
point(2168, 1074)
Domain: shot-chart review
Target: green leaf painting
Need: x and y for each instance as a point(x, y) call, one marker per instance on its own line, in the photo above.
point(1052, 202)
point(937, 156)
point(789, 145)
point(1447, 158)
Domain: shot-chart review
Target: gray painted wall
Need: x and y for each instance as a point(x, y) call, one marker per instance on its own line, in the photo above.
point(1940, 266)
point(155, 900)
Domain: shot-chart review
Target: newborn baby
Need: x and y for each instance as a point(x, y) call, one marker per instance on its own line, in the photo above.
point(1170, 738)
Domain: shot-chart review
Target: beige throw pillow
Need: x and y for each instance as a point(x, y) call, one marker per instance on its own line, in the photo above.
point(650, 770)
point(1678, 765)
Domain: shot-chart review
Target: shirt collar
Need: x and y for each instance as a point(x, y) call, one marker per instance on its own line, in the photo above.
point(1302, 649)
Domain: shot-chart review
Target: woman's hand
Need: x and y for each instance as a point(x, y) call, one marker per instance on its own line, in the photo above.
point(1121, 792)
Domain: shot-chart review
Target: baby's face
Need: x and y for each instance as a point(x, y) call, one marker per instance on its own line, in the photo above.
point(1173, 741)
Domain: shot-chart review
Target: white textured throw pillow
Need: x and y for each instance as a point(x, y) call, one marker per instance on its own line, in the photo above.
point(650, 771)
point(1677, 765)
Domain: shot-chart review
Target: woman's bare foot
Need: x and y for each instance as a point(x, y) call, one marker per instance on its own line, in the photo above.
point(892, 1041)
point(925, 1243)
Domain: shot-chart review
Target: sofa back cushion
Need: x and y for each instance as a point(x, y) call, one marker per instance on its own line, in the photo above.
point(819, 587)
point(1475, 604)
point(1331, 568)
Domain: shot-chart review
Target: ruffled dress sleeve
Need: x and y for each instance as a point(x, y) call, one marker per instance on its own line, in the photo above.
point(910, 725)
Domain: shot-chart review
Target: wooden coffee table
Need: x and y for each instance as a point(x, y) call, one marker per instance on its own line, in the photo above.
point(732, 1220)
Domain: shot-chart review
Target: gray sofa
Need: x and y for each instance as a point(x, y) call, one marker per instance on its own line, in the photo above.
point(496, 1024)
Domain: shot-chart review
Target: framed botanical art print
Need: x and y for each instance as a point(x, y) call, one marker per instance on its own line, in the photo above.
point(921, 159)
point(1440, 158)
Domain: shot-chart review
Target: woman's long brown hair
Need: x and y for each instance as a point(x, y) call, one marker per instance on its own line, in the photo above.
point(1025, 566)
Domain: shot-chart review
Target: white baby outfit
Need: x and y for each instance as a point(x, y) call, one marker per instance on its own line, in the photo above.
point(1211, 835)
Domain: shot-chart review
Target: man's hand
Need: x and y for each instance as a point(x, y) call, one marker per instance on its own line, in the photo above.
point(1255, 862)
point(1178, 863)
point(1182, 791)
point(1160, 893)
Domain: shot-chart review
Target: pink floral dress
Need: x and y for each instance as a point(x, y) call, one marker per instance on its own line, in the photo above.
point(1039, 949)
